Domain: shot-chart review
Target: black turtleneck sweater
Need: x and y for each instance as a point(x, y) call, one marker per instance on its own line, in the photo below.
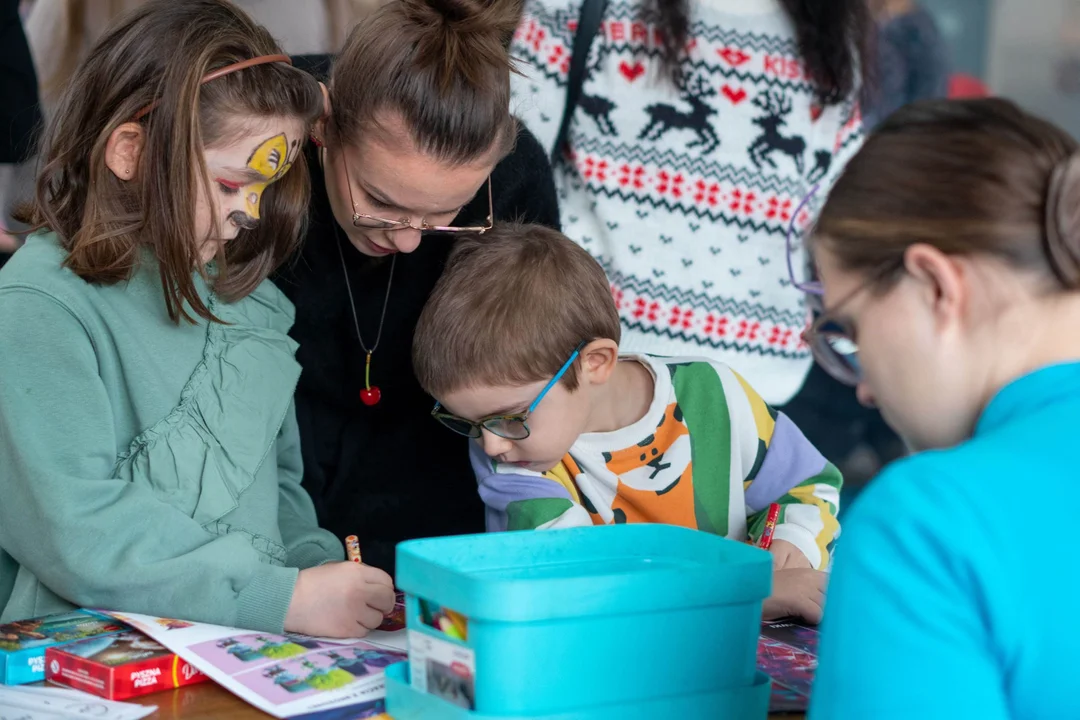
point(389, 472)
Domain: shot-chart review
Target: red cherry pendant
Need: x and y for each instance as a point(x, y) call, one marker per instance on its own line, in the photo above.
point(371, 394)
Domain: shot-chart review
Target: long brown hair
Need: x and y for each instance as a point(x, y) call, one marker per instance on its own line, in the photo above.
point(965, 176)
point(161, 52)
point(442, 65)
point(834, 38)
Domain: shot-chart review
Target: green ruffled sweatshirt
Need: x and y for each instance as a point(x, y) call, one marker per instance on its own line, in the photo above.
point(146, 466)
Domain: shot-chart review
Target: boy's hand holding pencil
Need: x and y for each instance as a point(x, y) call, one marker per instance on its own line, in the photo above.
point(786, 556)
point(798, 590)
point(344, 599)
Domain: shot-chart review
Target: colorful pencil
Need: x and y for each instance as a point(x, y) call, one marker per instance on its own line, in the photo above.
point(352, 548)
point(770, 526)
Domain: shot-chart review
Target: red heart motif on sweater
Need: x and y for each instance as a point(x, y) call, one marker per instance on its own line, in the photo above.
point(631, 72)
point(733, 56)
point(815, 112)
point(736, 96)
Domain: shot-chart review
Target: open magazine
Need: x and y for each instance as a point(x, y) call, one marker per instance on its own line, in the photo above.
point(285, 675)
point(787, 653)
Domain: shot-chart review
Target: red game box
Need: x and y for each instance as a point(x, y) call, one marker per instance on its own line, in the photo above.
point(119, 667)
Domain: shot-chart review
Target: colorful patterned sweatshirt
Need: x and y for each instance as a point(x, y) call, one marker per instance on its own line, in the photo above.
point(684, 194)
point(709, 454)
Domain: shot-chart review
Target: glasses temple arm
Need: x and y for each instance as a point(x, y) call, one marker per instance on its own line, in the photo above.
point(558, 376)
point(791, 231)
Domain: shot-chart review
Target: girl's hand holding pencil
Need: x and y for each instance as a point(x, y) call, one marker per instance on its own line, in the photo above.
point(344, 599)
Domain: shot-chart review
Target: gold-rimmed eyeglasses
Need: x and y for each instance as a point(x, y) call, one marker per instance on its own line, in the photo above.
point(371, 222)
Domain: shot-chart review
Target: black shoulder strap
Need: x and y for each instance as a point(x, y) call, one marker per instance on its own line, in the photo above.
point(592, 13)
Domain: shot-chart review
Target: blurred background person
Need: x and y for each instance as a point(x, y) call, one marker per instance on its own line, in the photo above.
point(913, 60)
point(62, 31)
point(43, 41)
point(20, 117)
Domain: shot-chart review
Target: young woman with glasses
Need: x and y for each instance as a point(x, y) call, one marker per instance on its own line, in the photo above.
point(418, 145)
point(949, 255)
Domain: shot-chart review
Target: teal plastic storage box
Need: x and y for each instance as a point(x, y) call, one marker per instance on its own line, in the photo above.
point(748, 703)
point(560, 620)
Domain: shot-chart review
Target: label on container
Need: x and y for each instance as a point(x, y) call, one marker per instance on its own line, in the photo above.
point(443, 668)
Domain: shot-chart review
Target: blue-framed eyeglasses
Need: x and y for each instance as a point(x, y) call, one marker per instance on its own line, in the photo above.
point(511, 427)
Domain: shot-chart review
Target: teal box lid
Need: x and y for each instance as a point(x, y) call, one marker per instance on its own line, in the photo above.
point(523, 576)
point(23, 642)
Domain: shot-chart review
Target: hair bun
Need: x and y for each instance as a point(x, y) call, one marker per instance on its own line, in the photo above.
point(1063, 221)
point(486, 17)
point(465, 40)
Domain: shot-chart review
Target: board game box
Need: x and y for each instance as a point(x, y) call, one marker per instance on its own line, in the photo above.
point(118, 667)
point(23, 642)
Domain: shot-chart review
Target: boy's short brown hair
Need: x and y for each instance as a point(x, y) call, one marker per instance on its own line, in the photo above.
point(509, 309)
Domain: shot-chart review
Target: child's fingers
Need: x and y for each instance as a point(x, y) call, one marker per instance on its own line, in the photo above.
point(375, 576)
point(8, 243)
point(381, 598)
point(810, 608)
point(369, 617)
point(786, 556)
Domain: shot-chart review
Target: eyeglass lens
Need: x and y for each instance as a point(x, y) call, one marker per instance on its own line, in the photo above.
point(837, 353)
point(509, 428)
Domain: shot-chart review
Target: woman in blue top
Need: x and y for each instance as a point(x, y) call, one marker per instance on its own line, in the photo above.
point(949, 252)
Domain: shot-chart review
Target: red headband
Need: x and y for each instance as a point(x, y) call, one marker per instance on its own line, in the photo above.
point(215, 74)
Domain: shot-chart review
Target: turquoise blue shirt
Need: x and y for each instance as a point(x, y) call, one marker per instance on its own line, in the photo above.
point(956, 582)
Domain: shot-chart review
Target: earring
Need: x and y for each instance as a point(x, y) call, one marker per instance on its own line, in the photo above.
point(127, 173)
point(315, 139)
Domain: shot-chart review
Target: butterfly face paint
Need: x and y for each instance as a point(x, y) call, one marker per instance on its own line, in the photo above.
point(271, 161)
point(240, 172)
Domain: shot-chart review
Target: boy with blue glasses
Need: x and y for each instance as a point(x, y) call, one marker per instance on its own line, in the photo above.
point(519, 342)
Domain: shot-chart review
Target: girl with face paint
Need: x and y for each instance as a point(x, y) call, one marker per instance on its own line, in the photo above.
point(150, 452)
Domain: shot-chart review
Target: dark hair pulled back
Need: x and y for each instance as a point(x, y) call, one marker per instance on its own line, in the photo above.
point(441, 66)
point(833, 36)
point(967, 177)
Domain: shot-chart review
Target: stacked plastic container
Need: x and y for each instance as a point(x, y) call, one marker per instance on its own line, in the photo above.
point(625, 621)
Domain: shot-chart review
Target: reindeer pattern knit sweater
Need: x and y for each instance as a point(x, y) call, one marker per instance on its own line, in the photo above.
point(685, 193)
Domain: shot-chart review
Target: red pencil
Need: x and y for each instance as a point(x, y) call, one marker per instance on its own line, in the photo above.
point(770, 526)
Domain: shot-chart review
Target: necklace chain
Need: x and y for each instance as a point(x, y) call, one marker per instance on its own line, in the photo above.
point(352, 303)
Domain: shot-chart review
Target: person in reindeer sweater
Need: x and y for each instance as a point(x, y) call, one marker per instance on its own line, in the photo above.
point(700, 129)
